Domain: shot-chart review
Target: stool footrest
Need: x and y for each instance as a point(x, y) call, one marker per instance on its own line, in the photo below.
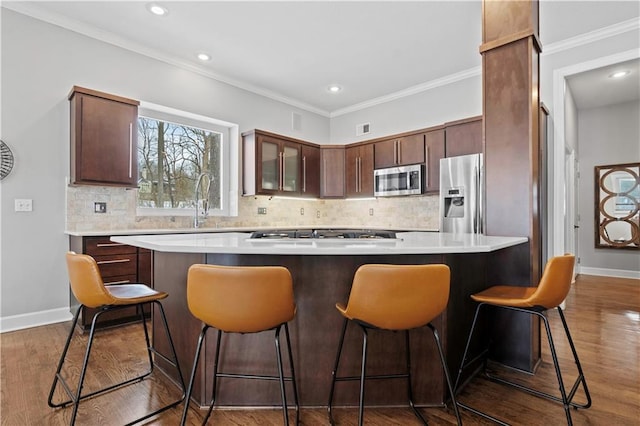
point(252, 376)
point(378, 376)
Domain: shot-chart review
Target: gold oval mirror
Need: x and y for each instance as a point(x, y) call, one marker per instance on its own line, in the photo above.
point(617, 206)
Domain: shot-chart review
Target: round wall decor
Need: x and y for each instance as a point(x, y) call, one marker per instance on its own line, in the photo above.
point(6, 163)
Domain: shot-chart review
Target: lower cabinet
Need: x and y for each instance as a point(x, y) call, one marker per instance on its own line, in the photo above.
point(119, 264)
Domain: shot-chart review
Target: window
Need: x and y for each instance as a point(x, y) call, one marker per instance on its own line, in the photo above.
point(175, 149)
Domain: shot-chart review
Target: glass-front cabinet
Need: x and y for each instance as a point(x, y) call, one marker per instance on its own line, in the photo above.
point(273, 165)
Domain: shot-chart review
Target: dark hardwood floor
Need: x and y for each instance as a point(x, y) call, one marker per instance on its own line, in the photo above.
point(603, 316)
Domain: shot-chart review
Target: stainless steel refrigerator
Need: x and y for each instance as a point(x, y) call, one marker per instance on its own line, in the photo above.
point(462, 194)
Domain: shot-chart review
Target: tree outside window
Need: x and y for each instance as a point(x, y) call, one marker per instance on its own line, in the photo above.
point(171, 156)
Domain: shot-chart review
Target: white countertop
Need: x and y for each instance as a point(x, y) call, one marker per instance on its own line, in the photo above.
point(240, 243)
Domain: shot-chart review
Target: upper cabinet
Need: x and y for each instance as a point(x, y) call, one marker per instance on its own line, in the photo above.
point(103, 139)
point(359, 170)
point(399, 151)
point(464, 137)
point(332, 172)
point(271, 164)
point(434, 151)
point(310, 171)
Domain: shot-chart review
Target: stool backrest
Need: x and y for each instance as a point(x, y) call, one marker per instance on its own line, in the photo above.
point(242, 299)
point(398, 297)
point(555, 282)
point(86, 282)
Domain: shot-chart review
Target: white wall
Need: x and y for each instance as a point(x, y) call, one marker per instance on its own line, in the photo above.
point(607, 135)
point(40, 64)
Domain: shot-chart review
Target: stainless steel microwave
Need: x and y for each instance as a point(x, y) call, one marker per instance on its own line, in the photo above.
point(402, 180)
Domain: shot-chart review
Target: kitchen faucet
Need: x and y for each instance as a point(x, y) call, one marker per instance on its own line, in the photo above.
point(203, 179)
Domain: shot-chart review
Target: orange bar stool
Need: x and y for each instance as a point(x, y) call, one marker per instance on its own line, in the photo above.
point(242, 299)
point(395, 298)
point(89, 289)
point(550, 293)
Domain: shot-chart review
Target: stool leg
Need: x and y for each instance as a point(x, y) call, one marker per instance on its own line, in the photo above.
point(556, 365)
point(293, 374)
point(446, 373)
point(140, 312)
point(193, 375)
point(334, 372)
point(463, 363)
point(283, 391)
point(61, 362)
point(362, 377)
point(409, 383)
point(215, 377)
point(578, 366)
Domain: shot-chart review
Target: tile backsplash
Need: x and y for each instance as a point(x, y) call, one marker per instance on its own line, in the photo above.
point(415, 212)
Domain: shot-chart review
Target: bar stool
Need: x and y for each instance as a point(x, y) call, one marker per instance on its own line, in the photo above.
point(395, 298)
point(550, 293)
point(89, 289)
point(237, 299)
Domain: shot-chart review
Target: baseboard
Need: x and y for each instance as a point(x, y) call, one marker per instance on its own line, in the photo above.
point(34, 319)
point(618, 273)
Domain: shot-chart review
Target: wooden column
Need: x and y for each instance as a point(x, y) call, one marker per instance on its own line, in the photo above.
point(510, 77)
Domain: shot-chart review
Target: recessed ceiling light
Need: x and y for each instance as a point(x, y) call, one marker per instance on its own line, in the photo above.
point(620, 74)
point(204, 57)
point(334, 88)
point(156, 9)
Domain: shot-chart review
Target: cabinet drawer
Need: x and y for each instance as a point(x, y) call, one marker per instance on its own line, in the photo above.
point(120, 279)
point(100, 246)
point(119, 264)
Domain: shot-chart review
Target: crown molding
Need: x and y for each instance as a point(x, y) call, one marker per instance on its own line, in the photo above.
point(29, 9)
point(592, 36)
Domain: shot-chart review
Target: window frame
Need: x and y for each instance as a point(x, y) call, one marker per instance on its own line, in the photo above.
point(229, 172)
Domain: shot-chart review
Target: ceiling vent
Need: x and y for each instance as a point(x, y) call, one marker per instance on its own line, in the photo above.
point(363, 129)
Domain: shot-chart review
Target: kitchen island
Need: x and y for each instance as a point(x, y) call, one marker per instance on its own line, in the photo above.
point(322, 271)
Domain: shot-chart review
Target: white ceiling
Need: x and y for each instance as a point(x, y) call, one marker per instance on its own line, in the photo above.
point(292, 51)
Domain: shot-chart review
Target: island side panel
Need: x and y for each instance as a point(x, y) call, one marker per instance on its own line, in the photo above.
point(320, 282)
point(170, 276)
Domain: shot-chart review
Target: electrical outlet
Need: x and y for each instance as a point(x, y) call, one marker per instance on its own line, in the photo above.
point(301, 211)
point(370, 212)
point(262, 210)
point(23, 205)
point(318, 213)
point(99, 207)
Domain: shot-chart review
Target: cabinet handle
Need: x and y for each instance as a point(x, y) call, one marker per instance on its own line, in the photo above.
point(427, 164)
point(282, 167)
point(130, 149)
point(399, 152)
point(359, 174)
point(118, 282)
point(304, 174)
point(110, 244)
point(106, 262)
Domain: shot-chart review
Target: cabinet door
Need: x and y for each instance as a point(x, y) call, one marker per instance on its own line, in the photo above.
point(434, 151)
point(290, 166)
point(385, 153)
point(411, 149)
point(464, 138)
point(268, 165)
point(332, 173)
point(366, 170)
point(310, 171)
point(359, 171)
point(104, 134)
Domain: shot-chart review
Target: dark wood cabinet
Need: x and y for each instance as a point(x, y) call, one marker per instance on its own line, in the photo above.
point(434, 150)
point(332, 170)
point(279, 165)
point(118, 264)
point(399, 151)
point(359, 170)
point(310, 171)
point(104, 132)
point(463, 137)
